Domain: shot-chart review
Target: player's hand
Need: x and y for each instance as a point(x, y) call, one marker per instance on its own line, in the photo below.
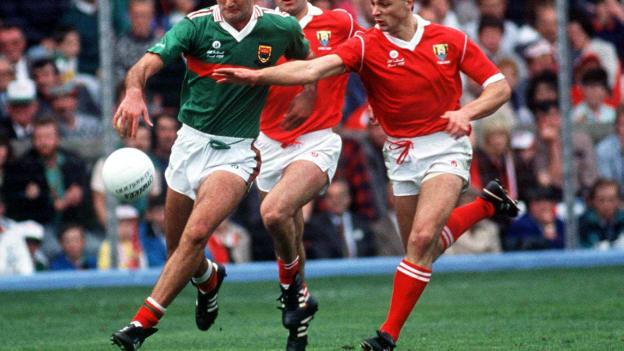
point(241, 76)
point(458, 123)
point(300, 109)
point(131, 109)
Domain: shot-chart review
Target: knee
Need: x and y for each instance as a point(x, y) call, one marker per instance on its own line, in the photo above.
point(421, 241)
point(196, 235)
point(274, 216)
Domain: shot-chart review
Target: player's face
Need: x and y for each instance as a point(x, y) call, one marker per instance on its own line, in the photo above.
point(389, 14)
point(236, 12)
point(292, 7)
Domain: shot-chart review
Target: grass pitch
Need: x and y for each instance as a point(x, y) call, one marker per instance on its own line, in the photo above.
point(567, 309)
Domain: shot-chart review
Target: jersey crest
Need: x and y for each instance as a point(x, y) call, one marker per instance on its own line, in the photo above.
point(323, 37)
point(264, 53)
point(441, 52)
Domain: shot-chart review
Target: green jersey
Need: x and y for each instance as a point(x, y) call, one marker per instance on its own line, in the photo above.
point(208, 42)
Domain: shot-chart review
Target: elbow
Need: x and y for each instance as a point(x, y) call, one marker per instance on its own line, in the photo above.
point(505, 91)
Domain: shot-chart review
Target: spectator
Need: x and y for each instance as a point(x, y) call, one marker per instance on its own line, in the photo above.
point(14, 256)
point(6, 76)
point(373, 149)
point(495, 9)
point(353, 167)
point(13, 46)
point(21, 98)
point(75, 127)
point(130, 254)
point(35, 17)
point(180, 9)
point(48, 183)
point(609, 152)
point(230, 243)
point(608, 22)
point(152, 232)
point(143, 142)
point(47, 77)
point(510, 69)
point(67, 42)
point(490, 35)
point(539, 228)
point(337, 232)
point(386, 230)
point(540, 57)
point(33, 234)
point(82, 15)
point(523, 145)
point(483, 237)
point(549, 161)
point(580, 31)
point(492, 157)
point(545, 20)
point(542, 87)
point(130, 47)
point(595, 89)
point(6, 158)
point(73, 256)
point(602, 224)
point(165, 133)
point(441, 12)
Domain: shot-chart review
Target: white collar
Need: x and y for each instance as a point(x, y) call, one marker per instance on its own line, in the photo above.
point(257, 13)
point(312, 11)
point(411, 45)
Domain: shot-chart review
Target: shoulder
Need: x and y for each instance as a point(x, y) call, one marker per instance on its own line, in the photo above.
point(607, 145)
point(277, 19)
point(200, 15)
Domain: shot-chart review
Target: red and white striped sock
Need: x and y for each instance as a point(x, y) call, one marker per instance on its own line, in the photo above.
point(287, 271)
point(207, 281)
point(464, 217)
point(149, 314)
point(410, 281)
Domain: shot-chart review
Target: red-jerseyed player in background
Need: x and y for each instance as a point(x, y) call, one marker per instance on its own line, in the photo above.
point(411, 71)
point(297, 164)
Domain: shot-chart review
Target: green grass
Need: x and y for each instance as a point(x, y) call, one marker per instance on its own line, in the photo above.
point(570, 309)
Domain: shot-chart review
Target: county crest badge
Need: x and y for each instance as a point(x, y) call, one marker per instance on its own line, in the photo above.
point(264, 53)
point(323, 37)
point(441, 52)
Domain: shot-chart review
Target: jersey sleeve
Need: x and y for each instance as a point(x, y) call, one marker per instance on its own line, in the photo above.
point(352, 53)
point(477, 66)
point(299, 48)
point(176, 41)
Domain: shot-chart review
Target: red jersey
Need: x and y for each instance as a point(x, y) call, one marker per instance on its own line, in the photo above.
point(325, 30)
point(411, 84)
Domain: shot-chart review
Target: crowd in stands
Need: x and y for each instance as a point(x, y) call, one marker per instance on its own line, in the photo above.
point(53, 213)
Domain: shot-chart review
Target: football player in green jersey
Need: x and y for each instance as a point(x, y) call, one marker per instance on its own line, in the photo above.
point(213, 160)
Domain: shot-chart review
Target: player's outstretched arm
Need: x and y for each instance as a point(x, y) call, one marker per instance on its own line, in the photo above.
point(133, 107)
point(491, 99)
point(289, 73)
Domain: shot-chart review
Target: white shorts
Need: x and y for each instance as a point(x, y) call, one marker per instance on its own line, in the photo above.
point(430, 154)
point(321, 147)
point(193, 159)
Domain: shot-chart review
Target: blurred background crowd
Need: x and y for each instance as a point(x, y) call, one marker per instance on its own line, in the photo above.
point(52, 203)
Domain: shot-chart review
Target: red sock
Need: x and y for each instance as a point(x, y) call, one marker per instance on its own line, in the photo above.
point(210, 283)
point(409, 282)
point(149, 314)
point(463, 218)
point(287, 271)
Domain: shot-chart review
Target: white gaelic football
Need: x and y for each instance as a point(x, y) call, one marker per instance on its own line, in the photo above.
point(128, 174)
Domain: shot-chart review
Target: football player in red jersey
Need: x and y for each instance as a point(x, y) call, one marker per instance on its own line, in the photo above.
point(297, 164)
point(411, 70)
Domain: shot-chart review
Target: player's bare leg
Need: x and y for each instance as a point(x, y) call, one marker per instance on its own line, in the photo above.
point(282, 216)
point(211, 207)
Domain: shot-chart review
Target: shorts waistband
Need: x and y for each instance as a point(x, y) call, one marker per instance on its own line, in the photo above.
point(187, 130)
point(315, 135)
